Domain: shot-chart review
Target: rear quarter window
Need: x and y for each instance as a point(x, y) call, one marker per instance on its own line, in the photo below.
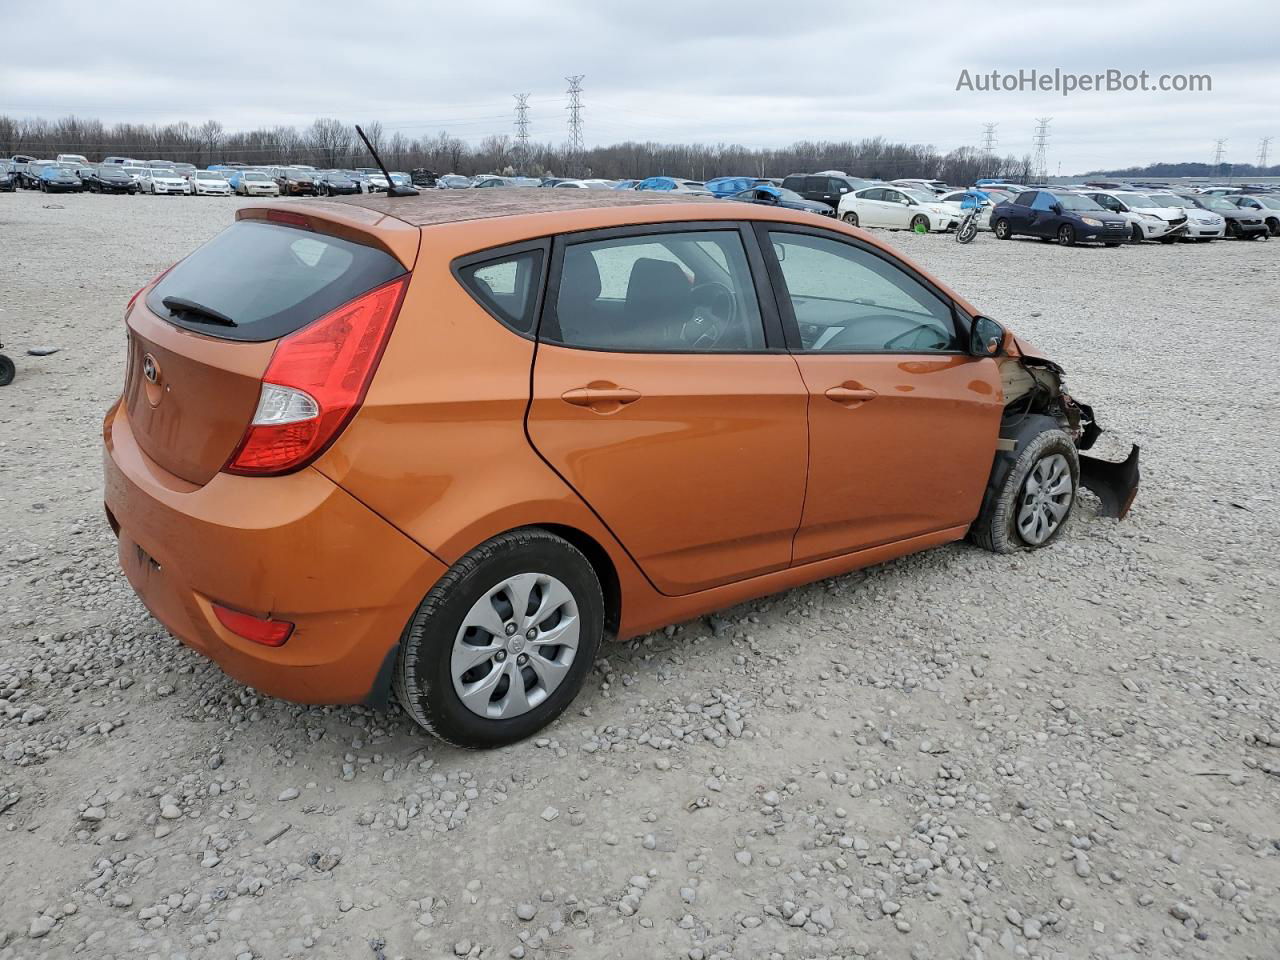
point(269, 280)
point(506, 286)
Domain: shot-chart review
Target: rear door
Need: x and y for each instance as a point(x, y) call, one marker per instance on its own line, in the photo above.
point(663, 394)
point(902, 422)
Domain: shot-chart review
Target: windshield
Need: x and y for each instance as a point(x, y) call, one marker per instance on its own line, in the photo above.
point(208, 175)
point(160, 172)
point(1136, 200)
point(1167, 200)
point(1071, 201)
point(1217, 203)
point(113, 173)
point(1270, 203)
point(254, 176)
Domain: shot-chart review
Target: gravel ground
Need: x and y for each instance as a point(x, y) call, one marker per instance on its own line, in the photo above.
point(1069, 754)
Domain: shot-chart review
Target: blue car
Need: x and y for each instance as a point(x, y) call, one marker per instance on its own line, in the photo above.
point(728, 186)
point(1069, 218)
point(672, 184)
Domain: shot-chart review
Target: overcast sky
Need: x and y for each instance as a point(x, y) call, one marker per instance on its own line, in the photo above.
point(750, 72)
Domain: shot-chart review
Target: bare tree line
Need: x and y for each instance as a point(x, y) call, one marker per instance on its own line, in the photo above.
point(329, 142)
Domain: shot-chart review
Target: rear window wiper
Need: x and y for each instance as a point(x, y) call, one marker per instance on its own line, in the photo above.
point(197, 311)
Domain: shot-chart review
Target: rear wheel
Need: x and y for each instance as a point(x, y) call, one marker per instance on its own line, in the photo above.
point(1067, 235)
point(1035, 501)
point(503, 642)
point(850, 218)
point(7, 371)
point(1002, 230)
point(1273, 226)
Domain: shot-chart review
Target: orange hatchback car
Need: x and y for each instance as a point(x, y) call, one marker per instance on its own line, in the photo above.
point(444, 445)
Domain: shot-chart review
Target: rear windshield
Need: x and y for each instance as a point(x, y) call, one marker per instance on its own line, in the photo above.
point(267, 279)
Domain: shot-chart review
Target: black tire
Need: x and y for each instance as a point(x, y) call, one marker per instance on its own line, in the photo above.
point(1273, 226)
point(1113, 244)
point(1234, 231)
point(1135, 233)
point(918, 221)
point(850, 218)
point(1067, 235)
point(967, 231)
point(422, 679)
point(7, 371)
point(1002, 231)
point(996, 528)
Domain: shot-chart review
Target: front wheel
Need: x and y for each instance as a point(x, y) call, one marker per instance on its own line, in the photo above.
point(968, 230)
point(850, 218)
point(919, 223)
point(7, 371)
point(503, 642)
point(1067, 235)
point(1135, 233)
point(1002, 230)
point(1034, 502)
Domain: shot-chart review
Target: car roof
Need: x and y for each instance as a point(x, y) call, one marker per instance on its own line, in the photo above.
point(442, 206)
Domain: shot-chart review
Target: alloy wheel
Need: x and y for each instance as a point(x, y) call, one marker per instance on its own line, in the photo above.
point(1046, 499)
point(515, 646)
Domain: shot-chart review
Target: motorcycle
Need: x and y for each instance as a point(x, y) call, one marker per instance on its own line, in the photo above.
point(7, 370)
point(968, 228)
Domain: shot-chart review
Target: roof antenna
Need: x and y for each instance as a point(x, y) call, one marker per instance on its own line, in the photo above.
point(393, 189)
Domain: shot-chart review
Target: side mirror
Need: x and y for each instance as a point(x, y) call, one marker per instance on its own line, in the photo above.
point(986, 338)
point(1056, 207)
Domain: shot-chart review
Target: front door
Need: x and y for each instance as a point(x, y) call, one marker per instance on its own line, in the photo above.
point(902, 422)
point(657, 398)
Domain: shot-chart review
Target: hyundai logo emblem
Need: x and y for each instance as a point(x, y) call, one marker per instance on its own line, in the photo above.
point(150, 369)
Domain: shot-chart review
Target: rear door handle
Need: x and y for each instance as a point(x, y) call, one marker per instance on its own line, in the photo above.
point(851, 396)
point(601, 396)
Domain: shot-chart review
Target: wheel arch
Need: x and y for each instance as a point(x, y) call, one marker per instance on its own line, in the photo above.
point(603, 565)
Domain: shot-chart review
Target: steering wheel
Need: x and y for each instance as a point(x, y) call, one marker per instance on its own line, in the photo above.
point(714, 311)
point(893, 343)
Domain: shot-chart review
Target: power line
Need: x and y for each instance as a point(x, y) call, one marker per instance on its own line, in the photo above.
point(522, 131)
point(576, 148)
point(1040, 165)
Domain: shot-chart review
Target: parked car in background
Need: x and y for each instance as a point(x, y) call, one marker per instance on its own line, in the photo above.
point(823, 187)
point(1069, 218)
point(1147, 219)
point(136, 173)
point(184, 170)
point(1239, 223)
point(453, 181)
point(936, 187)
point(209, 183)
point(29, 173)
point(422, 177)
point(625, 185)
point(729, 186)
point(488, 181)
point(294, 182)
point(109, 178)
point(121, 161)
point(684, 433)
point(1267, 206)
point(334, 183)
point(55, 178)
point(1203, 223)
point(8, 177)
point(586, 184)
point(163, 180)
point(254, 183)
point(76, 158)
point(673, 185)
point(897, 208)
point(771, 196)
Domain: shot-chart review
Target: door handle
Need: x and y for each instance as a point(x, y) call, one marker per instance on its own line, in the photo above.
point(601, 396)
point(850, 396)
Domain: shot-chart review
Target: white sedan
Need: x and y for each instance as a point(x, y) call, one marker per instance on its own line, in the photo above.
point(163, 180)
point(209, 183)
point(897, 209)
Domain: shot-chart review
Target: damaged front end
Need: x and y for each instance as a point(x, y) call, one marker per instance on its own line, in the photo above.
point(1035, 390)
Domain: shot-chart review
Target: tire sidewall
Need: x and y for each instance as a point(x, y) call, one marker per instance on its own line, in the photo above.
point(1003, 532)
point(424, 680)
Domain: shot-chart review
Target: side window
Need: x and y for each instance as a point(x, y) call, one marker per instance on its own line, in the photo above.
point(1044, 200)
point(794, 183)
point(848, 300)
point(876, 194)
point(507, 287)
point(1026, 199)
point(687, 292)
point(893, 196)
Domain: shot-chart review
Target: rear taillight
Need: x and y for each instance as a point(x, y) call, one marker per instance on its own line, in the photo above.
point(315, 382)
point(263, 630)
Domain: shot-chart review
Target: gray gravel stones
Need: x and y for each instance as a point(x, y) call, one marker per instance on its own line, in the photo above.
point(1071, 753)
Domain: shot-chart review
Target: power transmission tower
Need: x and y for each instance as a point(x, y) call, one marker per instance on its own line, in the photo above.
point(1040, 165)
point(1264, 146)
point(522, 132)
point(576, 147)
point(989, 148)
point(1219, 154)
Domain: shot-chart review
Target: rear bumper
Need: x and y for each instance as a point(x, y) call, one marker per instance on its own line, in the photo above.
point(296, 548)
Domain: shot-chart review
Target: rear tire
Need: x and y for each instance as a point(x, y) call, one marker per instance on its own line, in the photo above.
point(485, 587)
point(1002, 230)
point(1013, 519)
point(7, 371)
point(1273, 226)
point(850, 218)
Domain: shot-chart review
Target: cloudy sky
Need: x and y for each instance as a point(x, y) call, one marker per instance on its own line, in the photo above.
point(750, 72)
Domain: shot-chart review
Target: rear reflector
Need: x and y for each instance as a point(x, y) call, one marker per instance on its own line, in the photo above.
point(289, 217)
point(269, 633)
point(315, 382)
